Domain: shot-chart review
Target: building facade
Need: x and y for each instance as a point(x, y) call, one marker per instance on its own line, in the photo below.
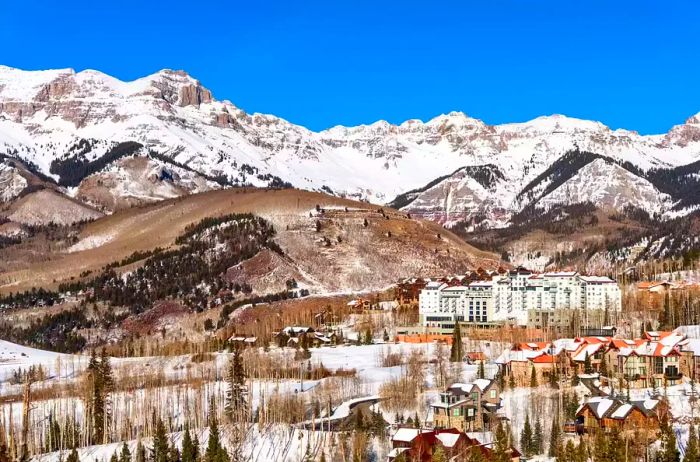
point(520, 297)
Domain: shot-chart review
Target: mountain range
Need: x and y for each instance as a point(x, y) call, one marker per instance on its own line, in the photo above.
point(109, 144)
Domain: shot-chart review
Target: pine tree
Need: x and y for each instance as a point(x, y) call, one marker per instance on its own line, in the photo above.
point(114, 458)
point(570, 451)
point(555, 439)
point(538, 437)
point(692, 453)
point(368, 340)
point(215, 451)
point(526, 443)
point(474, 454)
point(669, 450)
point(73, 456)
point(189, 452)
point(439, 455)
point(533, 377)
point(604, 366)
point(236, 394)
point(456, 354)
point(582, 452)
point(161, 447)
point(481, 373)
point(587, 367)
point(125, 455)
point(501, 447)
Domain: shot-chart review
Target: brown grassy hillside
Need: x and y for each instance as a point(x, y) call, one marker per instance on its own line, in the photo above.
point(343, 254)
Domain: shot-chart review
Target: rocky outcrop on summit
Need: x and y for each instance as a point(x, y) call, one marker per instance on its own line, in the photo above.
point(194, 95)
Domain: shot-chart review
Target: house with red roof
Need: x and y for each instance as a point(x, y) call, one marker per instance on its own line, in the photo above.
point(413, 444)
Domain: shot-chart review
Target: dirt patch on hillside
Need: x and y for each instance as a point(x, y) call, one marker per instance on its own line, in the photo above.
point(164, 315)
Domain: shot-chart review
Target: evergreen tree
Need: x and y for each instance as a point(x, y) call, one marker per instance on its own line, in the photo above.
point(114, 458)
point(582, 452)
point(474, 454)
point(236, 394)
point(533, 377)
point(189, 451)
point(125, 455)
point(526, 443)
point(481, 373)
point(538, 437)
point(692, 453)
point(457, 353)
point(604, 366)
point(570, 451)
point(511, 381)
point(73, 456)
point(439, 455)
point(501, 447)
point(669, 450)
point(368, 340)
point(215, 452)
point(555, 439)
point(587, 367)
point(161, 447)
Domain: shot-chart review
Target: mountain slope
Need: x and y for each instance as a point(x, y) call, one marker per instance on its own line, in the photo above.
point(335, 244)
point(61, 121)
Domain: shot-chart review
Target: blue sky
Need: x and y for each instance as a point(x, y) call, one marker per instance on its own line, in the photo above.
point(321, 63)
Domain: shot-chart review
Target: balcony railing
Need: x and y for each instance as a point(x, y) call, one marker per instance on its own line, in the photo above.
point(673, 375)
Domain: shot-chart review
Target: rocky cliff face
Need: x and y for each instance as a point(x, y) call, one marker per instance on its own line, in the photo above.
point(440, 168)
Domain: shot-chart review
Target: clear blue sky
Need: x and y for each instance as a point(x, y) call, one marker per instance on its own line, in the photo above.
point(630, 64)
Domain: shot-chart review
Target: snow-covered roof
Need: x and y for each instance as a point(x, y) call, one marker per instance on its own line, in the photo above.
point(604, 407)
point(507, 356)
point(297, 329)
point(448, 439)
point(622, 411)
point(692, 345)
point(483, 384)
point(691, 332)
point(597, 279)
point(589, 350)
point(396, 452)
point(561, 274)
point(407, 435)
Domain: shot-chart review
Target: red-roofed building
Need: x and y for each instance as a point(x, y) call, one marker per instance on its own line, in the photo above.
point(412, 444)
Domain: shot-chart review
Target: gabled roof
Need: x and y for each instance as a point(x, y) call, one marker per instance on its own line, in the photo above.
point(406, 434)
point(544, 359)
point(613, 408)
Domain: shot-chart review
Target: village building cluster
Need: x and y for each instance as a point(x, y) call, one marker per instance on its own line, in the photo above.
point(658, 359)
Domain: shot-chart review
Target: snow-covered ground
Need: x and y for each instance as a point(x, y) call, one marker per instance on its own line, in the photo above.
point(179, 399)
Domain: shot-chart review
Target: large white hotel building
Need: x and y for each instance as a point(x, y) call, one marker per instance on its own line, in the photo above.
point(520, 297)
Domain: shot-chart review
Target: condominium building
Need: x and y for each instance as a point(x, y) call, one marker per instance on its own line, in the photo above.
point(516, 297)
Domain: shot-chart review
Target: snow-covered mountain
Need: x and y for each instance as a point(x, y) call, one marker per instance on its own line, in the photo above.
point(74, 126)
